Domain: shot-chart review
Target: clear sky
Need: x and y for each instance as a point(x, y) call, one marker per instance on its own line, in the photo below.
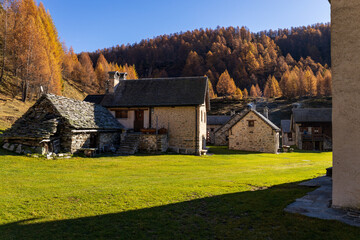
point(88, 25)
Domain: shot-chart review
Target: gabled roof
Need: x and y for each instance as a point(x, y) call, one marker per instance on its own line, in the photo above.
point(78, 114)
point(285, 126)
point(217, 119)
point(266, 120)
point(83, 115)
point(312, 115)
point(152, 92)
point(237, 117)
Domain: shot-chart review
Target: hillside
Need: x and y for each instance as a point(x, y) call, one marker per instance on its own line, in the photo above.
point(11, 107)
point(278, 108)
point(250, 58)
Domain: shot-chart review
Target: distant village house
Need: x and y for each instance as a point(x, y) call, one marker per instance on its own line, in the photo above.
point(313, 128)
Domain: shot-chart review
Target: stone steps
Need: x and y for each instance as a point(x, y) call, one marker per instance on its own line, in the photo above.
point(130, 145)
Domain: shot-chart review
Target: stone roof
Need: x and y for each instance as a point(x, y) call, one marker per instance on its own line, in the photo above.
point(152, 92)
point(285, 126)
point(42, 119)
point(312, 115)
point(217, 119)
point(83, 115)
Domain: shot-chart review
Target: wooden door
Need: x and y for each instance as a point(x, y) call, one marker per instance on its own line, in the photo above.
point(139, 120)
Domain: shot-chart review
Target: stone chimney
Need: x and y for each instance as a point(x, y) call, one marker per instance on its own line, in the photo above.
point(251, 106)
point(114, 78)
point(266, 112)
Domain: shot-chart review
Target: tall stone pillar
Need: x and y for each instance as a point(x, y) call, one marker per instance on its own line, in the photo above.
point(345, 53)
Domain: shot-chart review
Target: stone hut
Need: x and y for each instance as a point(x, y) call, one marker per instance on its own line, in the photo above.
point(251, 131)
point(59, 124)
point(176, 106)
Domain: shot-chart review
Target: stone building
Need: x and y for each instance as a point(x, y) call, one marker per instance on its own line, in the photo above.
point(312, 128)
point(60, 124)
point(176, 106)
point(251, 131)
point(287, 134)
point(214, 122)
point(345, 51)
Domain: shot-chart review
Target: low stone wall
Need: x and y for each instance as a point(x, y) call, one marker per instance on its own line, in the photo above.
point(24, 149)
point(153, 143)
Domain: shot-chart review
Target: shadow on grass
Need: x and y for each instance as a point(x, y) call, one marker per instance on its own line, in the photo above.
point(224, 150)
point(245, 215)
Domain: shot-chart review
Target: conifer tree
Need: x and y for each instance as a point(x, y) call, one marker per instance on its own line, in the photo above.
point(225, 85)
point(238, 93)
point(258, 91)
point(193, 66)
point(327, 83)
point(272, 89)
point(88, 74)
point(245, 93)
point(253, 92)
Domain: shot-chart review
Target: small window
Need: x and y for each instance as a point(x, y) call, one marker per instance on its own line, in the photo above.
point(211, 129)
point(251, 123)
point(201, 113)
point(121, 114)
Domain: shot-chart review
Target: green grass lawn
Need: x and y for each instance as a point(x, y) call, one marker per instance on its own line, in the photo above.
point(229, 195)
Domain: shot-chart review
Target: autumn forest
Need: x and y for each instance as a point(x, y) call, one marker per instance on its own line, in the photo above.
point(239, 63)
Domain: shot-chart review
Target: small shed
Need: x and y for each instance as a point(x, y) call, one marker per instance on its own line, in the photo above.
point(59, 124)
point(253, 132)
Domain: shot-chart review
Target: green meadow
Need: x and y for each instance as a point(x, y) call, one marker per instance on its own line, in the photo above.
point(227, 195)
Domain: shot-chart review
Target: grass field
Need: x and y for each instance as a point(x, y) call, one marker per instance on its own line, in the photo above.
point(229, 195)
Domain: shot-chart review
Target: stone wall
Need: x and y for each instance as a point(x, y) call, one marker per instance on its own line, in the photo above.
point(181, 125)
point(211, 129)
point(153, 143)
point(285, 139)
point(109, 141)
point(222, 134)
point(345, 52)
point(79, 140)
point(259, 138)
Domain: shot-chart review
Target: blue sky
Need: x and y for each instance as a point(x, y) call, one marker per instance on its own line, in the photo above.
point(90, 25)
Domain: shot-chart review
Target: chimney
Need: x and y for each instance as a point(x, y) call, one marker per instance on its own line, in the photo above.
point(266, 112)
point(113, 81)
point(251, 106)
point(232, 112)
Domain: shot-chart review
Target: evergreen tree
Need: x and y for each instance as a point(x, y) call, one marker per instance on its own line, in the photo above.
point(253, 92)
point(272, 88)
point(226, 85)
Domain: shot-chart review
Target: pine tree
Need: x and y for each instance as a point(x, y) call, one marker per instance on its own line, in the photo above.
point(272, 88)
point(193, 66)
point(211, 90)
point(258, 91)
point(88, 74)
point(253, 92)
point(245, 93)
point(327, 83)
point(225, 85)
point(238, 93)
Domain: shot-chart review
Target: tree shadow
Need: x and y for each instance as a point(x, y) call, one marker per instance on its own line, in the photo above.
point(245, 215)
